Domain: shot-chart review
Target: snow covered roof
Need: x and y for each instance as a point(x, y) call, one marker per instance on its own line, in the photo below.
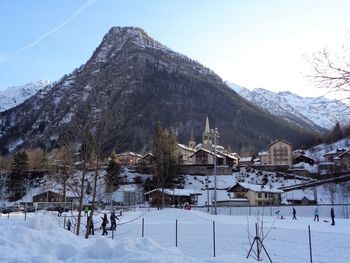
point(257, 188)
point(230, 155)
point(129, 153)
point(326, 163)
point(335, 151)
point(263, 153)
point(342, 154)
point(185, 147)
point(147, 154)
point(176, 192)
point(209, 152)
point(298, 195)
point(246, 159)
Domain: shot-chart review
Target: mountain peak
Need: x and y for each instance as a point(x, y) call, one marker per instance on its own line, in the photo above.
point(118, 38)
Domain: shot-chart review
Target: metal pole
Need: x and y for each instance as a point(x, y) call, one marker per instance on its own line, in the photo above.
point(208, 192)
point(215, 133)
point(214, 238)
point(270, 197)
point(143, 227)
point(257, 243)
point(176, 233)
point(310, 244)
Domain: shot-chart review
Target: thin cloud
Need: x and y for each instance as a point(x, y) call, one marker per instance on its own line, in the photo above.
point(6, 56)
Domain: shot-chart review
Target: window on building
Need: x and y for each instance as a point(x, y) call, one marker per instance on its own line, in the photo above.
point(259, 195)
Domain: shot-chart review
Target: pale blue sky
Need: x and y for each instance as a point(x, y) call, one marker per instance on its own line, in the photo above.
point(252, 43)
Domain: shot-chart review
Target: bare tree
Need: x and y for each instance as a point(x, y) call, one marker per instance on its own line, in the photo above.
point(99, 138)
point(331, 70)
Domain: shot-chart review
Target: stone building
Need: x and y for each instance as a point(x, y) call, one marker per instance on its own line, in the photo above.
point(280, 153)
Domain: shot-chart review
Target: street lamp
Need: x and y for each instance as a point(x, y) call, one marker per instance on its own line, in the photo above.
point(215, 133)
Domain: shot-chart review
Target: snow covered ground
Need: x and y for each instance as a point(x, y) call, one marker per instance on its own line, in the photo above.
point(42, 239)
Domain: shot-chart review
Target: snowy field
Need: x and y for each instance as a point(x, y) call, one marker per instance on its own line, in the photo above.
point(42, 239)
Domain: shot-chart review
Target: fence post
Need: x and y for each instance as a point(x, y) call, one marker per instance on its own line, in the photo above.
point(176, 233)
point(143, 227)
point(64, 221)
point(230, 211)
point(310, 244)
point(214, 237)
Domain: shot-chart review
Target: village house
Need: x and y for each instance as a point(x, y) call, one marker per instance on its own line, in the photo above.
point(261, 195)
point(342, 161)
point(147, 159)
point(204, 157)
point(172, 196)
point(48, 196)
point(264, 158)
point(300, 158)
point(128, 158)
point(185, 153)
point(246, 161)
point(280, 153)
point(303, 200)
point(329, 156)
point(335, 161)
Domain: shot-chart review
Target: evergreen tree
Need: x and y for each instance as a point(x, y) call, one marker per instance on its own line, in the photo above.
point(166, 168)
point(20, 163)
point(113, 173)
point(16, 185)
point(337, 133)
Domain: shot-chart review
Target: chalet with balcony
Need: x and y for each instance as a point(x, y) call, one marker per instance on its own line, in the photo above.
point(261, 195)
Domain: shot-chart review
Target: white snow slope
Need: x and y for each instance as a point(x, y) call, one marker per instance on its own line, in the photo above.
point(318, 111)
point(42, 239)
point(13, 96)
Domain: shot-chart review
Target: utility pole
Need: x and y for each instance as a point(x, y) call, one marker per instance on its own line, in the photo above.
point(270, 197)
point(215, 133)
point(208, 192)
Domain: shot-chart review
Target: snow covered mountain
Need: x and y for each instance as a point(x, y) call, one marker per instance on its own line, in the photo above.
point(317, 113)
point(13, 96)
point(132, 82)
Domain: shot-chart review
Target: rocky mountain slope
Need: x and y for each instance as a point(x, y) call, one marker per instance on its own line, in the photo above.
point(13, 96)
point(316, 113)
point(130, 83)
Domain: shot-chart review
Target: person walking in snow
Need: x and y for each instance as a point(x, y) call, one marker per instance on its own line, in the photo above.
point(91, 228)
point(332, 216)
point(316, 214)
point(60, 211)
point(104, 224)
point(294, 213)
point(86, 210)
point(69, 224)
point(113, 218)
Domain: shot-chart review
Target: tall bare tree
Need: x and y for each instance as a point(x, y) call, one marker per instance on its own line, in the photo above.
point(331, 70)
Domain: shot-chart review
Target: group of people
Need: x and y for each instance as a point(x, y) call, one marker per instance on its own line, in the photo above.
point(113, 218)
point(316, 215)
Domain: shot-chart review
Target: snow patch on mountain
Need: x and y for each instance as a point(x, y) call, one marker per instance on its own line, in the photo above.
point(15, 95)
point(316, 111)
